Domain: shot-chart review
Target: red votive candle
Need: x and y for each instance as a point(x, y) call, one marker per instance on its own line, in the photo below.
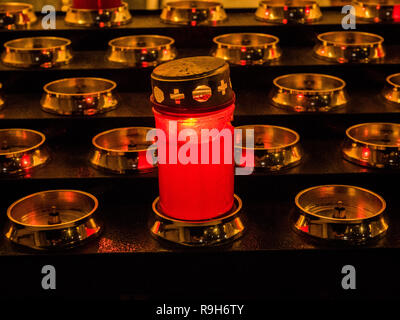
point(96, 4)
point(196, 175)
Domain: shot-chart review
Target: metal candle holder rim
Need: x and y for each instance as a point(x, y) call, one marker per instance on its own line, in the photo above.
point(206, 4)
point(12, 206)
point(46, 87)
point(189, 223)
point(23, 6)
point(341, 87)
point(383, 202)
point(371, 144)
point(389, 80)
point(96, 145)
point(123, 3)
point(288, 3)
point(379, 40)
point(171, 41)
point(265, 35)
point(297, 136)
point(42, 141)
point(67, 43)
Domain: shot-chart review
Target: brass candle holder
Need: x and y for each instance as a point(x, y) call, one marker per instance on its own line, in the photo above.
point(377, 10)
point(391, 91)
point(292, 11)
point(246, 48)
point(374, 144)
point(308, 92)
point(22, 150)
point(54, 219)
point(193, 13)
point(350, 47)
point(43, 52)
point(275, 148)
point(141, 50)
point(16, 15)
point(101, 18)
point(205, 233)
point(343, 213)
point(79, 96)
point(123, 150)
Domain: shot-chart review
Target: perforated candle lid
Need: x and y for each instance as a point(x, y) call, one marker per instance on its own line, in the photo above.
point(192, 84)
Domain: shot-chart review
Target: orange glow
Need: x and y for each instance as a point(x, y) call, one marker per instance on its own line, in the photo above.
point(156, 227)
point(26, 162)
point(89, 100)
point(396, 12)
point(365, 153)
point(298, 108)
point(304, 229)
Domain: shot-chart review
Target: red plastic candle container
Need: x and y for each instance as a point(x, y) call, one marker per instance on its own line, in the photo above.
point(96, 4)
point(196, 166)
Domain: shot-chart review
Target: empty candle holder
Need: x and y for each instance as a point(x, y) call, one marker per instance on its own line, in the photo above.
point(246, 48)
point(43, 52)
point(22, 150)
point(141, 50)
point(374, 144)
point(377, 10)
point(16, 15)
point(344, 213)
point(391, 91)
point(350, 47)
point(193, 13)
point(54, 219)
point(79, 96)
point(308, 92)
point(123, 150)
point(275, 148)
point(107, 15)
point(287, 12)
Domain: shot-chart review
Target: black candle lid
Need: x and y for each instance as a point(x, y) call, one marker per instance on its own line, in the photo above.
point(193, 84)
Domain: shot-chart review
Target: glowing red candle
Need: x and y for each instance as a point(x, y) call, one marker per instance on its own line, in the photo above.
point(196, 174)
point(96, 4)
